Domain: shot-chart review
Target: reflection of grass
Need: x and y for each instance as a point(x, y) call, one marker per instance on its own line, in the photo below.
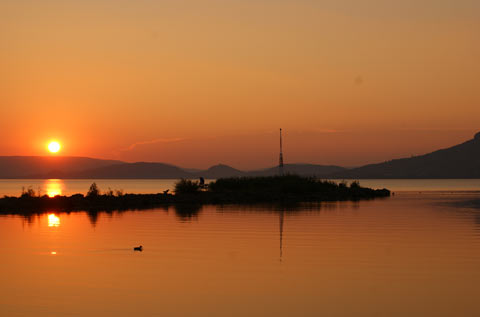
point(106, 202)
point(236, 190)
point(187, 211)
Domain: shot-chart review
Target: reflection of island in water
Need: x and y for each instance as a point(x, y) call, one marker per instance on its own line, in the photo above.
point(187, 212)
point(278, 216)
point(281, 216)
point(184, 213)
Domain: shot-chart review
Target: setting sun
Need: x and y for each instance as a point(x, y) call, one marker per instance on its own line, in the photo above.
point(54, 147)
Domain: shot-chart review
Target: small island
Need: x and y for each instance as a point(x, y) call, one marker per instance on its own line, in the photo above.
point(235, 190)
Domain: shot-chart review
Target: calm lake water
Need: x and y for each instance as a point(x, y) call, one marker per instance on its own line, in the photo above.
point(52, 187)
point(414, 254)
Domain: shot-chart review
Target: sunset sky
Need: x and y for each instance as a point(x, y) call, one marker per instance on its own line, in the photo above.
point(195, 83)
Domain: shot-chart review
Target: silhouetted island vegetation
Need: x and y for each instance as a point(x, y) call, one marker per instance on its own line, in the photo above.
point(234, 190)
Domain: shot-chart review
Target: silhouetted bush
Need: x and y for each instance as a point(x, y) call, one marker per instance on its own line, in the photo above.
point(288, 188)
point(94, 191)
point(355, 185)
point(284, 184)
point(186, 186)
point(29, 192)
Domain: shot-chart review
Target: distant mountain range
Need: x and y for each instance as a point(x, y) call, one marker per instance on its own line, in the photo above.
point(47, 166)
point(460, 161)
point(40, 167)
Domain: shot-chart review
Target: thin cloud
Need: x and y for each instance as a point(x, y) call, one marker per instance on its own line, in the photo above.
point(320, 131)
point(161, 140)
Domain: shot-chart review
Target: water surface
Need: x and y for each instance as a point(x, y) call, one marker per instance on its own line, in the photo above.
point(52, 187)
point(409, 255)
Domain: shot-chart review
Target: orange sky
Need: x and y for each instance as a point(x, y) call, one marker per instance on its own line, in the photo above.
point(196, 83)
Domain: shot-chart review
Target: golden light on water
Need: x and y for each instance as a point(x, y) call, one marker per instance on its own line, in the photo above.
point(54, 187)
point(53, 193)
point(53, 221)
point(53, 253)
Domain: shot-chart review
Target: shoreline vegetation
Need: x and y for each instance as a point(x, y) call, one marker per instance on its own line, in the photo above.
point(284, 189)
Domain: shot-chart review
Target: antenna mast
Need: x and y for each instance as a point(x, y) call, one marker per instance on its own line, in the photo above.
point(280, 160)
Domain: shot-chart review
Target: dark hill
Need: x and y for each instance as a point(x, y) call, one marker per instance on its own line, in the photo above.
point(301, 169)
point(52, 166)
point(220, 171)
point(161, 170)
point(134, 170)
point(460, 161)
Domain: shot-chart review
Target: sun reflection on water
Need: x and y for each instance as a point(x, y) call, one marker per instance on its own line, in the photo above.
point(53, 220)
point(54, 187)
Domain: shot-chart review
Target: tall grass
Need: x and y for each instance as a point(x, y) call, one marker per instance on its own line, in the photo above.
point(288, 184)
point(187, 186)
point(288, 187)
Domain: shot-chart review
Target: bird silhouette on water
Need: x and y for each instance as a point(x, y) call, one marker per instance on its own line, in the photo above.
point(139, 248)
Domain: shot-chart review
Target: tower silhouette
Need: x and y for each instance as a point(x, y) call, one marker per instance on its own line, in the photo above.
point(280, 160)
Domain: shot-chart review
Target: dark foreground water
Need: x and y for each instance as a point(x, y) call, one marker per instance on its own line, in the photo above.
point(415, 254)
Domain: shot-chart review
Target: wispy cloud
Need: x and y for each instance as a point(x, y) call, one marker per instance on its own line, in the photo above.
point(160, 140)
point(316, 131)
